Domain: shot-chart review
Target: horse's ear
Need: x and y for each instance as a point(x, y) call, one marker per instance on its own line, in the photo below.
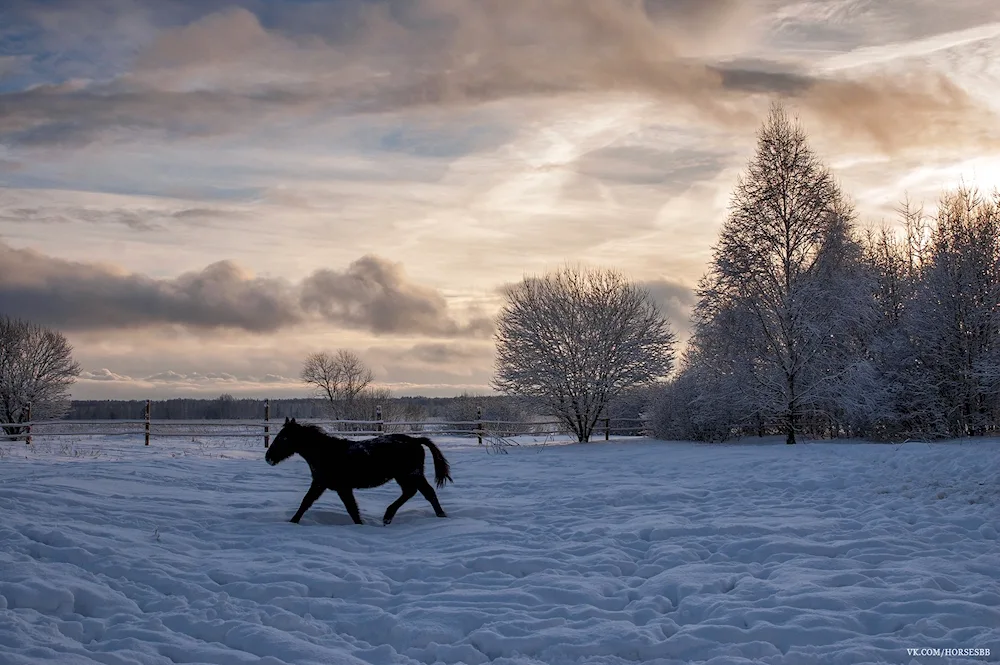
point(286, 420)
point(293, 421)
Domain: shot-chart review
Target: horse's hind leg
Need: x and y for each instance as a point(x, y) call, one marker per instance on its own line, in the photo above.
point(315, 490)
point(409, 489)
point(347, 496)
point(429, 494)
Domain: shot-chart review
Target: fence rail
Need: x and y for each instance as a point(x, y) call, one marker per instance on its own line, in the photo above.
point(265, 429)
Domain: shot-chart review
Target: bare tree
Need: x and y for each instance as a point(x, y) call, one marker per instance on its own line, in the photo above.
point(36, 370)
point(575, 339)
point(338, 378)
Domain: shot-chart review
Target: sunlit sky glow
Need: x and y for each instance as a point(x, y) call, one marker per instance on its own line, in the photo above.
point(201, 193)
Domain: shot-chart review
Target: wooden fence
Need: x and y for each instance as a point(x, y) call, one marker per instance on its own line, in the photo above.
point(266, 428)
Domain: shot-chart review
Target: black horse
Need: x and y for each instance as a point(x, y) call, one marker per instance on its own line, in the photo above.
point(344, 465)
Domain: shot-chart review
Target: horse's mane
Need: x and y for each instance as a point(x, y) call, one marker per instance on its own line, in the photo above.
point(316, 431)
point(312, 427)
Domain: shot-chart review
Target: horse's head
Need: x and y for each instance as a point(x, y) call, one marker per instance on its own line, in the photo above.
point(285, 444)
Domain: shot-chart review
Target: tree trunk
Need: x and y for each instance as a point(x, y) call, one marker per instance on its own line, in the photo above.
point(791, 422)
point(790, 435)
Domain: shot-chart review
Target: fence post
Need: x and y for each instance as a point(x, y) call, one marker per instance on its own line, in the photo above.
point(27, 441)
point(479, 424)
point(378, 417)
point(147, 420)
point(267, 420)
point(607, 429)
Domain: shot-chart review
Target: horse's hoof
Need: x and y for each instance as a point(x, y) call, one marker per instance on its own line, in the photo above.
point(386, 522)
point(293, 521)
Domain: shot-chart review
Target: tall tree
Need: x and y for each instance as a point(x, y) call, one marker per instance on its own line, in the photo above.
point(784, 290)
point(575, 339)
point(36, 372)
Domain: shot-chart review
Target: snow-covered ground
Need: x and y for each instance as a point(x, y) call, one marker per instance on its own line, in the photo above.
point(625, 552)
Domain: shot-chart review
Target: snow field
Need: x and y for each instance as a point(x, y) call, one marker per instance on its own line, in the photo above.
point(628, 552)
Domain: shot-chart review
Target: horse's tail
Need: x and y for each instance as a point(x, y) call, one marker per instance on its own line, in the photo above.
point(442, 470)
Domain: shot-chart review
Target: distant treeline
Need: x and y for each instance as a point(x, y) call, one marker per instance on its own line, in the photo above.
point(227, 407)
point(224, 407)
point(462, 408)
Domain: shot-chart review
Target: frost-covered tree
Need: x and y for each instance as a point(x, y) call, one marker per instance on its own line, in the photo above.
point(36, 370)
point(575, 339)
point(954, 324)
point(783, 311)
point(895, 263)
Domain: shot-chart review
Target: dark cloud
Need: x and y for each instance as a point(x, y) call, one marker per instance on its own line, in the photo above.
point(376, 295)
point(674, 171)
point(436, 353)
point(371, 294)
point(230, 69)
point(443, 354)
point(764, 77)
point(675, 300)
point(89, 296)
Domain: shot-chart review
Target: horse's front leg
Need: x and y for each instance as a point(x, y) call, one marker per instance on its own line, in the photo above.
point(347, 496)
point(408, 491)
point(315, 490)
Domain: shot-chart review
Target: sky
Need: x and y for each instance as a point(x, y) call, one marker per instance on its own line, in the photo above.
point(201, 193)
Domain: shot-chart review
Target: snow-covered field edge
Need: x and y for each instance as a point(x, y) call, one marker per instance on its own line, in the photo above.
point(622, 552)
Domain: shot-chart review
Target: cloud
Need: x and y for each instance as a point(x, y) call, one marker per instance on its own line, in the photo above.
point(230, 35)
point(372, 294)
point(675, 300)
point(136, 219)
point(376, 295)
point(442, 354)
point(434, 354)
point(106, 384)
point(846, 24)
point(672, 171)
point(75, 295)
point(227, 71)
point(104, 374)
point(170, 376)
point(10, 65)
